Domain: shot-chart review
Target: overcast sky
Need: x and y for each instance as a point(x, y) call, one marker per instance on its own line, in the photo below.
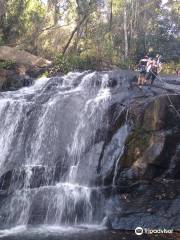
point(164, 1)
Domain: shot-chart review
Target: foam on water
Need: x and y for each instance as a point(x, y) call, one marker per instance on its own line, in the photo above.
point(49, 230)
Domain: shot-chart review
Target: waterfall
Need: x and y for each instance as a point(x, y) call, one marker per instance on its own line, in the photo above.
point(52, 136)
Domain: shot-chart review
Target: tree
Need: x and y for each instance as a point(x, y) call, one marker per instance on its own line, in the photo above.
point(2, 17)
point(2, 12)
point(125, 33)
point(84, 9)
point(114, 31)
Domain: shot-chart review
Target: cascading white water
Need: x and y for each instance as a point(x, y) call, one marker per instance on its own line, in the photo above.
point(46, 131)
point(92, 114)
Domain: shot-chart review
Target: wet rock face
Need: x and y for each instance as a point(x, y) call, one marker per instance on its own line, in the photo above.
point(152, 205)
point(92, 140)
point(146, 189)
point(152, 146)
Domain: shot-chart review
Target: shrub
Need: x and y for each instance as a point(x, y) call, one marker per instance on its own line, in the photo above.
point(1, 40)
point(170, 68)
point(66, 64)
point(128, 64)
point(7, 64)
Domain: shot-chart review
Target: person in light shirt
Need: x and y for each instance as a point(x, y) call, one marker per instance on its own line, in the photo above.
point(154, 67)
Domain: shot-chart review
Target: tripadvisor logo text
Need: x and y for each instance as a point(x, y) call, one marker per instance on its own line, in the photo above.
point(140, 231)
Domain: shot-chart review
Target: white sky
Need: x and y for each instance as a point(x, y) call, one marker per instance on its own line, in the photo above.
point(164, 1)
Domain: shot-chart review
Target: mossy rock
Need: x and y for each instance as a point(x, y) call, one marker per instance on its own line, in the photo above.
point(135, 146)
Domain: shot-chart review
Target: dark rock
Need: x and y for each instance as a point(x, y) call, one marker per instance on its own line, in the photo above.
point(174, 168)
point(107, 223)
point(26, 69)
point(5, 180)
point(35, 71)
point(153, 206)
point(13, 80)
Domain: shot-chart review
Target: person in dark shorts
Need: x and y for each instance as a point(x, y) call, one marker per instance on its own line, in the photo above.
point(153, 69)
point(142, 70)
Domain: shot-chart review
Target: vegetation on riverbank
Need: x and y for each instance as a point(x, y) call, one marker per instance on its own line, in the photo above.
point(7, 64)
point(93, 34)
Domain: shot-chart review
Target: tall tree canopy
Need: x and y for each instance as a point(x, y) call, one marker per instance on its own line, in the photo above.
point(117, 31)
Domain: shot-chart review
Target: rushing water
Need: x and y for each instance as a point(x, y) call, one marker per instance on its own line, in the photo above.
point(51, 139)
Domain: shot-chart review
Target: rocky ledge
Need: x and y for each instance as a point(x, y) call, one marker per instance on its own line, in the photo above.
point(146, 190)
point(25, 69)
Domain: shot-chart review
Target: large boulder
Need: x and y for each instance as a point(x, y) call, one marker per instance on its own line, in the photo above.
point(27, 67)
point(22, 57)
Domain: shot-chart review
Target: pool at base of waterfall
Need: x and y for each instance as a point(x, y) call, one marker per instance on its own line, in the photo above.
point(80, 232)
point(48, 232)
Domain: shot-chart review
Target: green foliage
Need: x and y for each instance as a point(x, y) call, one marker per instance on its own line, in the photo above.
point(170, 67)
point(1, 39)
point(45, 74)
point(46, 27)
point(69, 63)
point(7, 64)
point(125, 64)
point(24, 19)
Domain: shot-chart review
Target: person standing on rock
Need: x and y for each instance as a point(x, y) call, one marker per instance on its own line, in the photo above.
point(154, 67)
point(142, 70)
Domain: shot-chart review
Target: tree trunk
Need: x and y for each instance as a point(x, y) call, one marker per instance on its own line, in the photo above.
point(73, 33)
point(2, 14)
point(56, 14)
point(85, 13)
point(111, 16)
point(125, 34)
